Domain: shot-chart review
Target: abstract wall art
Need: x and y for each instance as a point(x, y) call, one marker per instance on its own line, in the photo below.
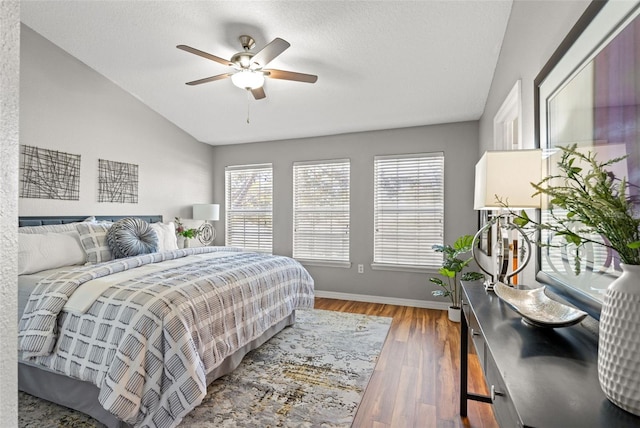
point(49, 174)
point(117, 182)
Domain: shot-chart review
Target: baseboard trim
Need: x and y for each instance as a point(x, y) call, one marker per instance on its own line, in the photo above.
point(427, 304)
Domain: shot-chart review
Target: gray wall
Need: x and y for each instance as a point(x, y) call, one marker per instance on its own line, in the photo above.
point(535, 30)
point(459, 142)
point(9, 100)
point(69, 107)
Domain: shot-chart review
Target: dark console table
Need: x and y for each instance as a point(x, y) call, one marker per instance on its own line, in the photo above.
point(539, 377)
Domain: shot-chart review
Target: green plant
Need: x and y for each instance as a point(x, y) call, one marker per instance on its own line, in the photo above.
point(588, 202)
point(182, 231)
point(452, 265)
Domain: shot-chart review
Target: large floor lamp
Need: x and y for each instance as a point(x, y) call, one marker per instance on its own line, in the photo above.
point(503, 183)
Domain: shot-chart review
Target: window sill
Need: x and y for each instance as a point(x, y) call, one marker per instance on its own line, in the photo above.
point(325, 263)
point(403, 268)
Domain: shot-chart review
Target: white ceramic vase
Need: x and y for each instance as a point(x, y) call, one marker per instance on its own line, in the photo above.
point(454, 314)
point(619, 342)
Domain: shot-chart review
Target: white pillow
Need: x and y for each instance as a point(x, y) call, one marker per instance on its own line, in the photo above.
point(38, 252)
point(167, 239)
point(93, 237)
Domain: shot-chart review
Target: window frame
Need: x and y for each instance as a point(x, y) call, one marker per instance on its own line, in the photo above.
point(230, 211)
point(320, 259)
point(434, 260)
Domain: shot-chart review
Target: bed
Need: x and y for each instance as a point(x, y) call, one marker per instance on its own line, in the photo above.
point(135, 340)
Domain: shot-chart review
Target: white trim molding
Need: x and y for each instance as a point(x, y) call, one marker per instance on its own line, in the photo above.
point(507, 123)
point(426, 304)
point(325, 263)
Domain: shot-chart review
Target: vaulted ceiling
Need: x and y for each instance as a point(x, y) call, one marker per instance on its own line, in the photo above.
point(380, 64)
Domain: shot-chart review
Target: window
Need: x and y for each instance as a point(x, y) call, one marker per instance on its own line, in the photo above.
point(408, 210)
point(249, 211)
point(321, 210)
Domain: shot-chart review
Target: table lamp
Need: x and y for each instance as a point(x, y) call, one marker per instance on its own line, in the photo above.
point(206, 212)
point(503, 181)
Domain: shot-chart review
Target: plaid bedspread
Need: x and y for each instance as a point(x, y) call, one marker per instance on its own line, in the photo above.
point(149, 342)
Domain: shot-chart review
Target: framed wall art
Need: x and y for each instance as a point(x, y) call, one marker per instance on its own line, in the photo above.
point(117, 182)
point(49, 174)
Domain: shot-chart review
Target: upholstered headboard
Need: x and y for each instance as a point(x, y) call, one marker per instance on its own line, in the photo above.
point(43, 220)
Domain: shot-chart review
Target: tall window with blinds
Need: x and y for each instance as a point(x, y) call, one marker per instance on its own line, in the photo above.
point(249, 207)
point(408, 210)
point(321, 210)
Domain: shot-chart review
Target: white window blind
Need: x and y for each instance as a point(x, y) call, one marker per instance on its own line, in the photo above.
point(249, 210)
point(408, 209)
point(321, 210)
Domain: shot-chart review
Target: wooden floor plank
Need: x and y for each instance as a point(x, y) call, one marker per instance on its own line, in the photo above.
point(404, 409)
point(427, 415)
point(416, 380)
point(369, 408)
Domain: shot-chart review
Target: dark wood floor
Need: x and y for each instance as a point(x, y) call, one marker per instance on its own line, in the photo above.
point(416, 379)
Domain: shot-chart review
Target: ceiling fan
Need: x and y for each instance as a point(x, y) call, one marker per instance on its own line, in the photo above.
point(250, 71)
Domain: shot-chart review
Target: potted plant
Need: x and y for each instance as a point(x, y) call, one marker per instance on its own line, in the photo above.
point(186, 233)
point(452, 266)
point(595, 207)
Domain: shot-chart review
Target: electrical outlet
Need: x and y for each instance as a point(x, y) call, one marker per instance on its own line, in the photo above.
point(360, 268)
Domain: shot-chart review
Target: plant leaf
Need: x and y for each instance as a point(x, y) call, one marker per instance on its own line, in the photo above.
point(438, 281)
point(447, 272)
point(463, 243)
point(522, 219)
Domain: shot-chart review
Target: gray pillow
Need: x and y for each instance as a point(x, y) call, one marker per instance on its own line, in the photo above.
point(93, 237)
point(131, 237)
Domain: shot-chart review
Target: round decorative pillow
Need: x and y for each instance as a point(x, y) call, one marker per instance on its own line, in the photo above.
point(131, 237)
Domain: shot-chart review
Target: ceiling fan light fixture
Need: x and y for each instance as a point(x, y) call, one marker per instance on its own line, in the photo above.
point(249, 67)
point(248, 79)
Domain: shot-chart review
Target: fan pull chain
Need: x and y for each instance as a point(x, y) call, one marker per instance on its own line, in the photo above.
point(248, 105)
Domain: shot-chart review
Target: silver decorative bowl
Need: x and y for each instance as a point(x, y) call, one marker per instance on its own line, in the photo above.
point(537, 308)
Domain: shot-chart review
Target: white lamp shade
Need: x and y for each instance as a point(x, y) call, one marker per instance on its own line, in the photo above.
point(507, 175)
point(206, 212)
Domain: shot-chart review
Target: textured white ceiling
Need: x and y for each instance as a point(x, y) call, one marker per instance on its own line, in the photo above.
point(380, 64)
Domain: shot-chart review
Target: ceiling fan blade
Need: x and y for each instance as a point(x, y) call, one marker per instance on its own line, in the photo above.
point(290, 75)
point(205, 55)
point(209, 79)
point(269, 52)
point(258, 93)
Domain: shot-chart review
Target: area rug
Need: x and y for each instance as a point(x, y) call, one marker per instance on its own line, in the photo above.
point(312, 374)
